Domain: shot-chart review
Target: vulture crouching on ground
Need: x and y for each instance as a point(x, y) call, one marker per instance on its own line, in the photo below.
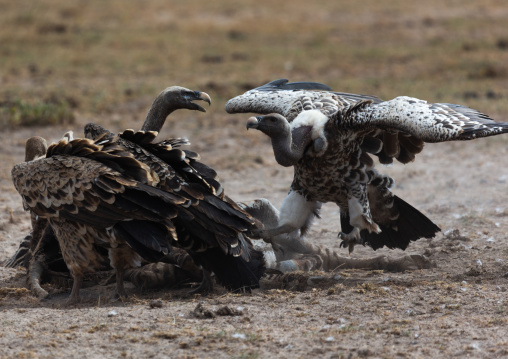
point(213, 222)
point(94, 194)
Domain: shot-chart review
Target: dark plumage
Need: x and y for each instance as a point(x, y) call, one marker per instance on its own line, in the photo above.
point(90, 192)
point(213, 228)
point(329, 136)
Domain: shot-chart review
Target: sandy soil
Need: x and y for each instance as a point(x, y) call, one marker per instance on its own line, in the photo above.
point(457, 309)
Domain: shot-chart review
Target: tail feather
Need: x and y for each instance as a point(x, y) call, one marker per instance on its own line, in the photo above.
point(411, 225)
point(234, 273)
point(148, 239)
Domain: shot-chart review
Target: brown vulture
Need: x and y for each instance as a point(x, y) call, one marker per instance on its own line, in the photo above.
point(93, 193)
point(138, 198)
point(213, 223)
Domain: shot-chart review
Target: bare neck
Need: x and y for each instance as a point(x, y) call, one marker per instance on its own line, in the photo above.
point(157, 115)
point(289, 146)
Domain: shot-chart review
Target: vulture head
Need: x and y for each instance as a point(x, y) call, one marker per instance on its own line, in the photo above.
point(93, 131)
point(171, 99)
point(35, 147)
point(177, 97)
point(289, 144)
point(272, 125)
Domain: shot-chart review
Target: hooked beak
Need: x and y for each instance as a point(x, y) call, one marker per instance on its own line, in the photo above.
point(252, 122)
point(203, 96)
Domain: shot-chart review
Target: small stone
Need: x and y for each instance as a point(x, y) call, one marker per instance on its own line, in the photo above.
point(202, 313)
point(227, 311)
point(156, 303)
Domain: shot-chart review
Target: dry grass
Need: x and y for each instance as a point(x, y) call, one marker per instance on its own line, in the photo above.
point(105, 54)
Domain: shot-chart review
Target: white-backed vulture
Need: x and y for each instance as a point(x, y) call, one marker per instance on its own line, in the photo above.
point(327, 136)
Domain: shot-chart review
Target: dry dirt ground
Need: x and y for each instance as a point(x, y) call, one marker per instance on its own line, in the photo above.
point(457, 309)
point(109, 59)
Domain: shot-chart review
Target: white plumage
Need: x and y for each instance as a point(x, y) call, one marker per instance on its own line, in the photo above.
point(327, 136)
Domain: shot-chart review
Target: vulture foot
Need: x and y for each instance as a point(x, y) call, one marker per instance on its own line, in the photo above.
point(351, 239)
point(206, 285)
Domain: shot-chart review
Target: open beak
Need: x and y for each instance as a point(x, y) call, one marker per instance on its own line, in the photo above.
point(252, 122)
point(204, 97)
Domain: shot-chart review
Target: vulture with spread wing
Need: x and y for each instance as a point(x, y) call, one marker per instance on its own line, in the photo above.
point(329, 138)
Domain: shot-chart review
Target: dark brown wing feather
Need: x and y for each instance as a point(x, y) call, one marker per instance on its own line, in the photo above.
point(210, 221)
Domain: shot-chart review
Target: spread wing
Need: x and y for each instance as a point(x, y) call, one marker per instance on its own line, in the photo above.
point(398, 128)
point(390, 129)
point(289, 99)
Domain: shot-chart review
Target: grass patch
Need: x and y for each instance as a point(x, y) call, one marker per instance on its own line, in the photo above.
point(98, 51)
point(20, 113)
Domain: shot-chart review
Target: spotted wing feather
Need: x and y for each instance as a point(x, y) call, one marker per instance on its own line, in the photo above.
point(289, 100)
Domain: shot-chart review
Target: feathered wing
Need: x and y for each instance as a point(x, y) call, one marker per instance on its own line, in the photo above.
point(390, 129)
point(212, 227)
point(429, 122)
point(209, 215)
point(399, 128)
point(77, 182)
point(289, 99)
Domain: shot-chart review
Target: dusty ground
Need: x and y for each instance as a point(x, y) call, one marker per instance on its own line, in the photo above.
point(456, 309)
point(455, 54)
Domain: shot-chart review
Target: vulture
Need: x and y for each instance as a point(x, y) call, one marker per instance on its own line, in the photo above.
point(329, 138)
point(94, 194)
point(213, 223)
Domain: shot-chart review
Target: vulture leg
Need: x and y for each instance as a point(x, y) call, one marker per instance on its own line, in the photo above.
point(76, 286)
point(122, 258)
point(359, 217)
point(120, 288)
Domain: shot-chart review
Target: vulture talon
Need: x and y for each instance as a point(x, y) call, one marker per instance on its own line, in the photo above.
point(351, 239)
point(206, 285)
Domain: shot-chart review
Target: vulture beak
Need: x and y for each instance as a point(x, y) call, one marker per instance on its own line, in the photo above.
point(252, 122)
point(203, 96)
